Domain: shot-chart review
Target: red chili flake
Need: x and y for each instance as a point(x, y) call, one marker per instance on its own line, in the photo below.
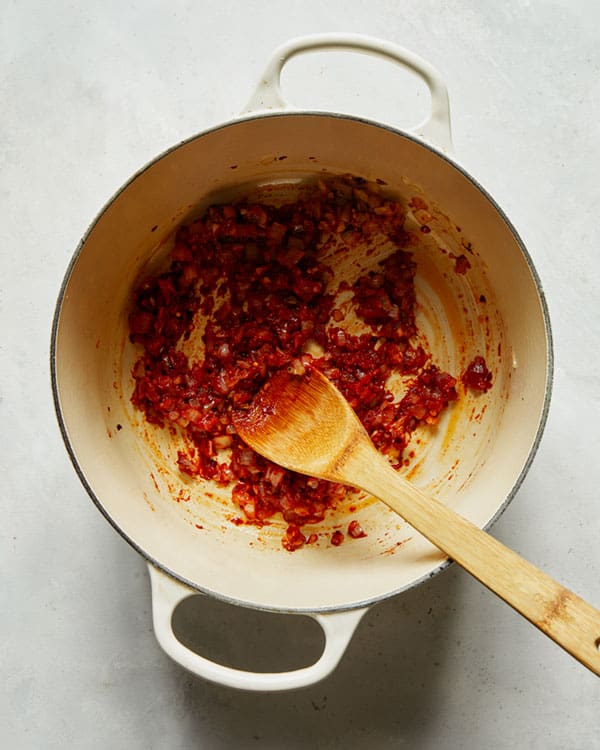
point(477, 375)
point(337, 538)
point(461, 264)
point(258, 276)
point(355, 530)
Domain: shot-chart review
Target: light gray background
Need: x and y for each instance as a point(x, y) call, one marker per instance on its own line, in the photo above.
point(89, 92)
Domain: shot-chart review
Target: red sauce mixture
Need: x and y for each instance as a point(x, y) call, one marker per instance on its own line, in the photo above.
point(256, 274)
point(477, 375)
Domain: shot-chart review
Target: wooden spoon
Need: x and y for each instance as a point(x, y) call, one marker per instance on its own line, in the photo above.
point(303, 423)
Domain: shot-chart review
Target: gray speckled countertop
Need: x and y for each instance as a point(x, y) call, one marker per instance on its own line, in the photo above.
point(90, 92)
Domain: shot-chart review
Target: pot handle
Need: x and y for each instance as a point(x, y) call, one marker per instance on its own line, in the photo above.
point(167, 593)
point(434, 129)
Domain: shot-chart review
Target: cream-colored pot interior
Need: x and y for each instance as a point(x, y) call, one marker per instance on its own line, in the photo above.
point(473, 461)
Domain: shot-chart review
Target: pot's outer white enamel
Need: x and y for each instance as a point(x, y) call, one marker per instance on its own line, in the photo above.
point(475, 460)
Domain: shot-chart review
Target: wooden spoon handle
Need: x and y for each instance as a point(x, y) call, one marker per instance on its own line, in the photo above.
point(559, 613)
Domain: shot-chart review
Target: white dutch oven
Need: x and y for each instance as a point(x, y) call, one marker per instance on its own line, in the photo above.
point(474, 461)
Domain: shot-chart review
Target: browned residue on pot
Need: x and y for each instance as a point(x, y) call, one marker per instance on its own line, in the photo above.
point(395, 547)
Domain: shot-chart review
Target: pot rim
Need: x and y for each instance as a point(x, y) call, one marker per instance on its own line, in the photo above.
point(214, 129)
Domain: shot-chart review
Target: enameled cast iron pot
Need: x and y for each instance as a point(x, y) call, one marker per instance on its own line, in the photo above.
point(474, 461)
